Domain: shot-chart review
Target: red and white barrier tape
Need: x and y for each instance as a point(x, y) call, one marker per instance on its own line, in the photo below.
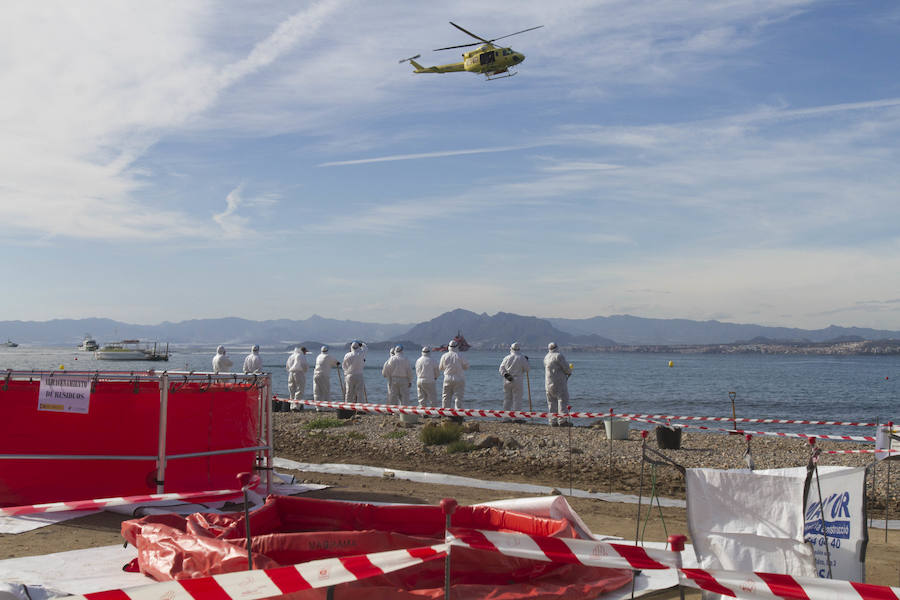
point(727, 583)
point(884, 451)
point(266, 583)
point(805, 436)
point(747, 420)
point(102, 503)
point(564, 550)
point(516, 414)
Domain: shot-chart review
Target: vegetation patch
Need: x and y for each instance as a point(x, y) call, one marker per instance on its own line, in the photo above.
point(396, 434)
point(433, 434)
point(324, 423)
point(356, 435)
point(460, 446)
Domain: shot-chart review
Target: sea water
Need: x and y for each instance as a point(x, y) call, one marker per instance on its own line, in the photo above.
point(837, 388)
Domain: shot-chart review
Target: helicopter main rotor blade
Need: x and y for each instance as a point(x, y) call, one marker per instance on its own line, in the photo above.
point(460, 46)
point(516, 33)
point(477, 37)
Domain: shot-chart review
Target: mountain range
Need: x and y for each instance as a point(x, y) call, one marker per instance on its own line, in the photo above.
point(480, 330)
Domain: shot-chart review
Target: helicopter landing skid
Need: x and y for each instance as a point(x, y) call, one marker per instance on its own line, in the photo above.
point(501, 74)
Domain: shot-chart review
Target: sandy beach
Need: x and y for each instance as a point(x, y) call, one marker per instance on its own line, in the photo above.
point(524, 453)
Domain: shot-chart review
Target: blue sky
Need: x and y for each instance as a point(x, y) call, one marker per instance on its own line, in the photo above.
point(664, 158)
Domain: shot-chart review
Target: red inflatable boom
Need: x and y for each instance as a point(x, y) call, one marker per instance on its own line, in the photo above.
point(289, 530)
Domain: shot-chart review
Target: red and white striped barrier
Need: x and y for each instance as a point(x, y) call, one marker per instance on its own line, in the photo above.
point(745, 420)
point(564, 550)
point(805, 436)
point(266, 583)
point(728, 583)
point(102, 503)
point(515, 414)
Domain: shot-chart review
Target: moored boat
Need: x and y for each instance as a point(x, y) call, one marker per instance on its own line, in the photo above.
point(89, 344)
point(11, 344)
point(131, 350)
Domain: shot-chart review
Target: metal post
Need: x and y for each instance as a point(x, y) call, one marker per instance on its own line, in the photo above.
point(733, 395)
point(269, 446)
point(874, 474)
point(637, 527)
point(676, 544)
point(887, 488)
point(448, 507)
point(246, 481)
point(163, 420)
point(814, 461)
point(609, 435)
point(569, 421)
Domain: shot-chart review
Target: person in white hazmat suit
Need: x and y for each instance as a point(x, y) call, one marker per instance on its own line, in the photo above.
point(354, 362)
point(426, 374)
point(390, 393)
point(453, 366)
point(514, 369)
point(556, 382)
point(297, 367)
point(221, 363)
point(253, 363)
point(322, 376)
point(399, 374)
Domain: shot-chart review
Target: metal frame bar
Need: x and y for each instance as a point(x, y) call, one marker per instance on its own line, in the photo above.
point(163, 423)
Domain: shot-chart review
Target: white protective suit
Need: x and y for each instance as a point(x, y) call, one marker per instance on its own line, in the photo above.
point(354, 363)
point(426, 374)
point(514, 369)
point(322, 376)
point(556, 381)
point(399, 375)
point(253, 363)
point(390, 393)
point(221, 363)
point(453, 365)
point(297, 367)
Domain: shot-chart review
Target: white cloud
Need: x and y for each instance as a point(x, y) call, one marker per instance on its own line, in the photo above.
point(421, 155)
point(78, 112)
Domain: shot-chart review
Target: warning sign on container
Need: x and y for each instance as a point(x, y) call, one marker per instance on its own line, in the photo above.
point(65, 393)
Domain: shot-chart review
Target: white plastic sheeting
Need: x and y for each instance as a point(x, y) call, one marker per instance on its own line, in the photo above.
point(742, 520)
point(746, 521)
point(441, 479)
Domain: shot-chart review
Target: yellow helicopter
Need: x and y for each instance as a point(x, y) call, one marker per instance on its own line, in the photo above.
point(492, 61)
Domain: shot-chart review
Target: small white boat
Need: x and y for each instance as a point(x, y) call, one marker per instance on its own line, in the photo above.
point(131, 350)
point(11, 344)
point(89, 344)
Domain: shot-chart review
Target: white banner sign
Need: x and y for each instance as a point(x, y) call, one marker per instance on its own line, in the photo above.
point(65, 393)
point(842, 510)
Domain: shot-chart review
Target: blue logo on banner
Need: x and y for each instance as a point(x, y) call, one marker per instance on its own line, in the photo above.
point(837, 516)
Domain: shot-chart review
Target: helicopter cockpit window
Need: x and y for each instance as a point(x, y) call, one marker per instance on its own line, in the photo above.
point(486, 58)
point(505, 52)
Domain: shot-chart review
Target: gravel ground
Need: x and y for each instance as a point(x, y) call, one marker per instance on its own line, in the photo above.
point(535, 453)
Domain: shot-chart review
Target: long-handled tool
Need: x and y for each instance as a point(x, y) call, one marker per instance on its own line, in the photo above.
point(528, 379)
point(341, 381)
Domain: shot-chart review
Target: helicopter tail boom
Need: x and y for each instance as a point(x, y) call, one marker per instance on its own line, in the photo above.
point(436, 69)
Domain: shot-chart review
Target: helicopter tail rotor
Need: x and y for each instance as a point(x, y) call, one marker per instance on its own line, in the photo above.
point(410, 59)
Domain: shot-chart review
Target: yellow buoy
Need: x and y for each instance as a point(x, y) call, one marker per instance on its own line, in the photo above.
point(62, 367)
point(671, 363)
